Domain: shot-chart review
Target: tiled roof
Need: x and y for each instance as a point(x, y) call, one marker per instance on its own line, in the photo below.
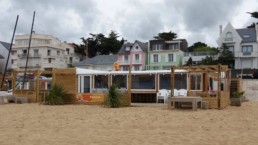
point(143, 46)
point(99, 60)
point(6, 45)
point(247, 34)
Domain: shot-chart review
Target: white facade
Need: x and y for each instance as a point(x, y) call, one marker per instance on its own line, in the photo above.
point(198, 56)
point(46, 52)
point(4, 53)
point(243, 43)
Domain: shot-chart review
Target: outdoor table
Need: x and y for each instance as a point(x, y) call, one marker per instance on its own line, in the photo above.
point(193, 99)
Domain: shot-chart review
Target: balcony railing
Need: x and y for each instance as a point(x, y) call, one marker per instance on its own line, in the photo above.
point(137, 62)
point(31, 55)
point(124, 62)
point(201, 53)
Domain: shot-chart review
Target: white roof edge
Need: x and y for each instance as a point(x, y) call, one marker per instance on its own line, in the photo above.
point(81, 71)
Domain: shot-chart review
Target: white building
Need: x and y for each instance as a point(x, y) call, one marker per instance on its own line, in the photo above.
point(46, 53)
point(4, 50)
point(243, 43)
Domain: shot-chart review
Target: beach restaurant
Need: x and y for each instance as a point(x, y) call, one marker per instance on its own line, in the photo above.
point(212, 83)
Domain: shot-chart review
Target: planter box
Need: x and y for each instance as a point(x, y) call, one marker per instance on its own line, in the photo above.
point(236, 101)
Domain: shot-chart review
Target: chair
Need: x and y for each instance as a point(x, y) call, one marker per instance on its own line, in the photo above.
point(162, 94)
point(175, 92)
point(182, 92)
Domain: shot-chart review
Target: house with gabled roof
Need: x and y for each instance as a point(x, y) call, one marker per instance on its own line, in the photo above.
point(133, 54)
point(244, 45)
point(99, 62)
point(4, 50)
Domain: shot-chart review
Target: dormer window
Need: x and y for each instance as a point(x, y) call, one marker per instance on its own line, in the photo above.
point(229, 36)
point(127, 48)
point(246, 36)
point(136, 47)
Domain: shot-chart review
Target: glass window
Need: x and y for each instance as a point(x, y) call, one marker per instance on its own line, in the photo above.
point(120, 81)
point(48, 52)
point(36, 52)
point(143, 81)
point(58, 52)
point(180, 81)
point(24, 51)
point(137, 57)
point(155, 58)
point(86, 86)
point(173, 46)
point(231, 48)
point(247, 49)
point(126, 58)
point(101, 81)
point(229, 36)
point(67, 50)
point(136, 67)
point(195, 81)
point(125, 68)
point(170, 57)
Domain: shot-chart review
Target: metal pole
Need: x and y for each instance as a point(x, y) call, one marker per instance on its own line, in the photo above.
point(9, 51)
point(28, 51)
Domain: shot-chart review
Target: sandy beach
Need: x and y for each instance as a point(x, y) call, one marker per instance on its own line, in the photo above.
point(34, 124)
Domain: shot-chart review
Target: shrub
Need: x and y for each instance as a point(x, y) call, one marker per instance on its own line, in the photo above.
point(58, 96)
point(113, 99)
point(237, 94)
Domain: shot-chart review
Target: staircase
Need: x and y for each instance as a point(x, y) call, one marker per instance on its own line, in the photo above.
point(233, 86)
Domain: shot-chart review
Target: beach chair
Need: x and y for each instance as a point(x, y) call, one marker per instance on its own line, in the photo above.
point(182, 92)
point(162, 94)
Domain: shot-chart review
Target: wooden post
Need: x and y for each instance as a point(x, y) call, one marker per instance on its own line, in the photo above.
point(172, 81)
point(129, 83)
point(156, 82)
point(219, 86)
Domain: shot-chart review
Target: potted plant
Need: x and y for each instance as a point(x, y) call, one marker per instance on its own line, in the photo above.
point(237, 98)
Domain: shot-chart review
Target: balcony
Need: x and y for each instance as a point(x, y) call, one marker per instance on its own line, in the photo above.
point(246, 54)
point(137, 62)
point(124, 62)
point(22, 65)
point(202, 53)
point(30, 56)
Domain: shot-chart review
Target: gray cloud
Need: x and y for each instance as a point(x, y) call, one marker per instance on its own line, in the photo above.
point(133, 19)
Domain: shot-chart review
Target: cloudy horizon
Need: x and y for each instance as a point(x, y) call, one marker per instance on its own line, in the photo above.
point(133, 20)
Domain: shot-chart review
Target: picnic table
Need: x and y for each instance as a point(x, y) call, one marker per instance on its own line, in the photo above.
point(193, 99)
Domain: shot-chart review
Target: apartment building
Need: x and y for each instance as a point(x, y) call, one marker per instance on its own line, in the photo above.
point(4, 51)
point(46, 52)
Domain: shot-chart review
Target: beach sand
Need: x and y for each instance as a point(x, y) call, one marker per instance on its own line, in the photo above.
point(34, 124)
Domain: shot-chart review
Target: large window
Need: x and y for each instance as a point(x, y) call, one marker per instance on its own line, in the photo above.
point(170, 57)
point(157, 46)
point(48, 52)
point(125, 68)
point(137, 57)
point(179, 81)
point(36, 52)
point(229, 36)
point(126, 58)
point(155, 58)
point(120, 81)
point(231, 48)
point(101, 81)
point(143, 81)
point(195, 81)
point(247, 49)
point(174, 46)
point(137, 68)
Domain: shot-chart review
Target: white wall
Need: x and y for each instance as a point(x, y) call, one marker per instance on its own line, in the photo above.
point(251, 89)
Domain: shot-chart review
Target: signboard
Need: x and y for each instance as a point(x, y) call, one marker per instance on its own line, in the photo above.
point(91, 97)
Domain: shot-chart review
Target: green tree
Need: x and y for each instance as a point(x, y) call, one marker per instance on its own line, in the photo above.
point(226, 57)
point(254, 15)
point(196, 45)
point(208, 60)
point(189, 62)
point(99, 44)
point(166, 36)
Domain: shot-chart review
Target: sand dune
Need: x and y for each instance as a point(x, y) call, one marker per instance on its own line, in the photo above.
point(31, 124)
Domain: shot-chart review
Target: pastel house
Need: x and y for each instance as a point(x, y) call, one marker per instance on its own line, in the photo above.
point(132, 54)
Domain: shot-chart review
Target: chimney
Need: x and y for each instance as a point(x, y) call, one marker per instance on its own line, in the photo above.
point(220, 30)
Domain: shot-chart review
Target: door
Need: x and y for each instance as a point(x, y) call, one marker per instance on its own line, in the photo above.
point(86, 83)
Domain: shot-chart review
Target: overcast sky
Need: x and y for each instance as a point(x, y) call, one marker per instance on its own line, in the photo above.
point(194, 20)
